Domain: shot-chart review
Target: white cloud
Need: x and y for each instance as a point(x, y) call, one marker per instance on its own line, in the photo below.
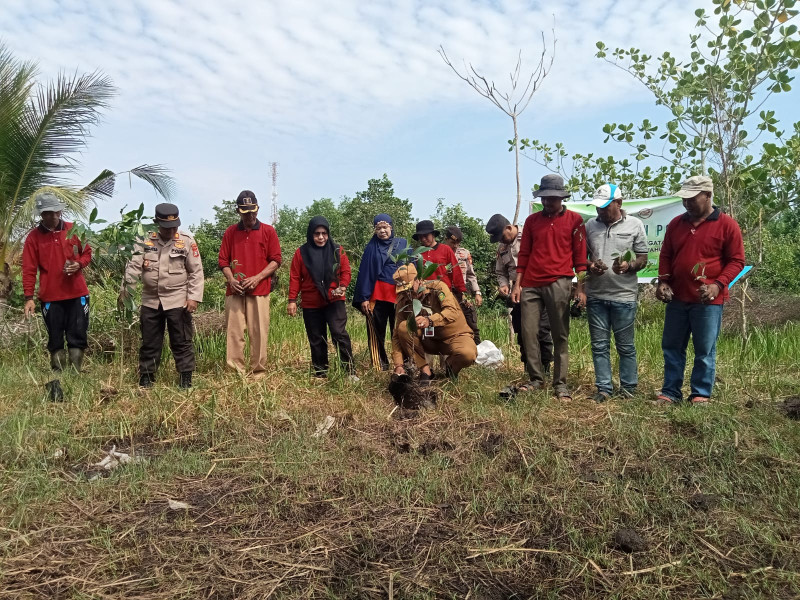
point(343, 67)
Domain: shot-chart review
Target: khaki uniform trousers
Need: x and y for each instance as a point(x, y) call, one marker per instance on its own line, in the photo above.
point(555, 299)
point(460, 350)
point(250, 313)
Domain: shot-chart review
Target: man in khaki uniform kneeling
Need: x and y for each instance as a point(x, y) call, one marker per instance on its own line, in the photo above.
point(442, 331)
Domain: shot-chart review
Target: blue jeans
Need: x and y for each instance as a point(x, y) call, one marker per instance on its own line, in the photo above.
point(604, 317)
point(702, 322)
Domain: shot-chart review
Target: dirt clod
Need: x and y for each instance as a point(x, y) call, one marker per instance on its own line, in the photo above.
point(791, 408)
point(703, 501)
point(628, 541)
point(492, 443)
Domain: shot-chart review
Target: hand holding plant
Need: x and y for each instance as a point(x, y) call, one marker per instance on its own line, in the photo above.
point(622, 262)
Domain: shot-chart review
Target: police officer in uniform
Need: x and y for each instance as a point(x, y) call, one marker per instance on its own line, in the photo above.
point(442, 331)
point(169, 265)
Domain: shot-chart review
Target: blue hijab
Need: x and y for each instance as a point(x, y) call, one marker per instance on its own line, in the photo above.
point(375, 262)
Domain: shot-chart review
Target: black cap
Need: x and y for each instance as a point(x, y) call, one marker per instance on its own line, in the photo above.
point(453, 232)
point(424, 227)
point(495, 227)
point(246, 202)
point(167, 215)
point(552, 186)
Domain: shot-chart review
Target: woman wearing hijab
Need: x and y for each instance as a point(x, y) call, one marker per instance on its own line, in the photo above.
point(375, 286)
point(320, 274)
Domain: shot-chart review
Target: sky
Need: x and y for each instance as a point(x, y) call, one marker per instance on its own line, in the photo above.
point(341, 91)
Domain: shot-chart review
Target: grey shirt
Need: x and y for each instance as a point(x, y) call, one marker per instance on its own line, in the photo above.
point(603, 242)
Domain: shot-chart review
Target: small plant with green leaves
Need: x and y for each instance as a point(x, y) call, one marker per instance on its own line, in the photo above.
point(623, 257)
point(238, 275)
point(116, 244)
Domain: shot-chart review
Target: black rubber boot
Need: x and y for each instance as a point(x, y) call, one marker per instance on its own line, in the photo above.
point(186, 379)
point(146, 380)
point(58, 360)
point(76, 358)
point(54, 391)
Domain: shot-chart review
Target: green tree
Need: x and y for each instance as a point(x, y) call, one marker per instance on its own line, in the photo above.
point(43, 129)
point(717, 112)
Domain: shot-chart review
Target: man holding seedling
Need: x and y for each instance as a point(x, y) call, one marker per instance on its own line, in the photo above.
point(59, 260)
point(508, 238)
point(250, 253)
point(617, 245)
point(552, 251)
point(430, 320)
point(453, 238)
point(168, 263)
point(701, 254)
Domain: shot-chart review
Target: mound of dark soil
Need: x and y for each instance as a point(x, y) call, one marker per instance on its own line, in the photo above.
point(409, 395)
point(791, 407)
point(628, 541)
point(703, 501)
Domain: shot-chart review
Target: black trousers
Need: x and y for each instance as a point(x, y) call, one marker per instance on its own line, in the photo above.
point(317, 322)
point(68, 318)
point(471, 316)
point(382, 314)
point(545, 337)
point(181, 331)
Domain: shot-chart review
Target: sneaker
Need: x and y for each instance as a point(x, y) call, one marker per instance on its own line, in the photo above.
point(146, 380)
point(601, 397)
point(625, 393)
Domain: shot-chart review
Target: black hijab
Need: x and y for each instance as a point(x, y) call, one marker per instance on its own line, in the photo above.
point(322, 262)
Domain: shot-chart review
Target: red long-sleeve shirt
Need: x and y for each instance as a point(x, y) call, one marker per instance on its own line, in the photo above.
point(300, 282)
point(444, 256)
point(252, 249)
point(551, 247)
point(46, 251)
point(716, 243)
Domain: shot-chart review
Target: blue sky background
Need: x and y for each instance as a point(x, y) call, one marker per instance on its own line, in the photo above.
point(339, 92)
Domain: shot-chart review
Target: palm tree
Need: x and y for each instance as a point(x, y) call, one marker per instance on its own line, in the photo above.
point(43, 128)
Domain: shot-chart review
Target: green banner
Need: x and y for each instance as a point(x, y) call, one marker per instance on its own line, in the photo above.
point(655, 213)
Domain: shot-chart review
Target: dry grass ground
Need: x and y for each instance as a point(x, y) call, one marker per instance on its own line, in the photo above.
point(477, 499)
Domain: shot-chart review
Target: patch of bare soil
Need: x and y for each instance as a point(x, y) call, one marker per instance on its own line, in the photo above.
point(791, 408)
point(763, 309)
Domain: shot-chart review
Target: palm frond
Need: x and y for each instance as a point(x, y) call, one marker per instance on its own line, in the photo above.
point(52, 129)
point(101, 186)
point(158, 177)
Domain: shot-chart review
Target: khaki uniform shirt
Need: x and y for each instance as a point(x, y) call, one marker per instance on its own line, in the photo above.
point(447, 317)
point(464, 259)
point(171, 271)
point(506, 266)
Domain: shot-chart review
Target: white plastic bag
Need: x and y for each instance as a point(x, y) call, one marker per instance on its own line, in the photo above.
point(489, 355)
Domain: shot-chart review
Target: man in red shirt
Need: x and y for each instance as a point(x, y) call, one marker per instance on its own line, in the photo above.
point(552, 251)
point(248, 256)
point(63, 293)
point(448, 272)
point(701, 254)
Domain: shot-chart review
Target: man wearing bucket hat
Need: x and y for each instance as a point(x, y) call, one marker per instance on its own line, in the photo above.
point(552, 251)
point(453, 238)
point(508, 238)
point(440, 329)
point(248, 256)
point(441, 254)
point(701, 254)
point(59, 260)
point(617, 245)
point(169, 265)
